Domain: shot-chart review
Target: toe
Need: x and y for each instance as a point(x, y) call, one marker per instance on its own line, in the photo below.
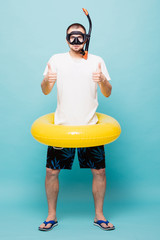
point(48, 225)
point(105, 225)
point(110, 224)
point(42, 225)
point(45, 226)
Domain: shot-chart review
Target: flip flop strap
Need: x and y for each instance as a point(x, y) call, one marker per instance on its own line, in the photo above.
point(101, 221)
point(52, 222)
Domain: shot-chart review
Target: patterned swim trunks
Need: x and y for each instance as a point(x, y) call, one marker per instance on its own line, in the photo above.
point(62, 158)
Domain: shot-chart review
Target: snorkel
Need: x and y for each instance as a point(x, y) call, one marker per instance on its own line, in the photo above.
point(81, 37)
point(85, 53)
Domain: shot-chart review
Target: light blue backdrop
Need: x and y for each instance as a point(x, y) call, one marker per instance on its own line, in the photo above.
point(126, 35)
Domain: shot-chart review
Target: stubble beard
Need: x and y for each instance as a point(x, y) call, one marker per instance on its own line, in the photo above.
point(77, 50)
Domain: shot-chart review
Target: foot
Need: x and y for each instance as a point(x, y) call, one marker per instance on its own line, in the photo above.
point(49, 218)
point(101, 217)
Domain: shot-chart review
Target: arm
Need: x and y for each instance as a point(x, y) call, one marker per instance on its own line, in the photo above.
point(102, 81)
point(48, 81)
point(105, 86)
point(46, 86)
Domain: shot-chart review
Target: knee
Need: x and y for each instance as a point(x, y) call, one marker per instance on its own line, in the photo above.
point(50, 173)
point(100, 173)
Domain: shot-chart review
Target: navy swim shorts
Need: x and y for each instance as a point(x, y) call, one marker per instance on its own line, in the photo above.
point(62, 158)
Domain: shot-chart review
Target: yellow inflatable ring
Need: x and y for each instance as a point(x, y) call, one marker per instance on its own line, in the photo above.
point(105, 131)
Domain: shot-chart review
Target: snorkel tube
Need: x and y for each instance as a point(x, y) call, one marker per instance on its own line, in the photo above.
point(85, 52)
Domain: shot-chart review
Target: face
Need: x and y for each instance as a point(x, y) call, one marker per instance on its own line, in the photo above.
point(76, 48)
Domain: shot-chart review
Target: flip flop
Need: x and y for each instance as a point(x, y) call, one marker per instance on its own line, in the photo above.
point(53, 224)
point(98, 223)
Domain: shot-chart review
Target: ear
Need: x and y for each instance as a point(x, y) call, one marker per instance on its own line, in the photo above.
point(67, 42)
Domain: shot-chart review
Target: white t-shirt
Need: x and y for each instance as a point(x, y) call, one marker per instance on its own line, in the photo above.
point(76, 91)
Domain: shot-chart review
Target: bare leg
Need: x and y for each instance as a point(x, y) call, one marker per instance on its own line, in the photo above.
point(52, 189)
point(98, 190)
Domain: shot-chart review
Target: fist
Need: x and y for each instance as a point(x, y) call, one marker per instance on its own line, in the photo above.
point(51, 77)
point(98, 75)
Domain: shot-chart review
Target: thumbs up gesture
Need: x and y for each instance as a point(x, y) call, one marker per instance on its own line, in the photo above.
point(98, 75)
point(51, 76)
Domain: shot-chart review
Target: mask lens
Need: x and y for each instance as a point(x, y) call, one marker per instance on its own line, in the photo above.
point(72, 38)
point(79, 37)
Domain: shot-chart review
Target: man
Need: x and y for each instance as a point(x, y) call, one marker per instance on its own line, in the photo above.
point(77, 80)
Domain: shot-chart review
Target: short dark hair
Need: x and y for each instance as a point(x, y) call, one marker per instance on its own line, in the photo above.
point(76, 25)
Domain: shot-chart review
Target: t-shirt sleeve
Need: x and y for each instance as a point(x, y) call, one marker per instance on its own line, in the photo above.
point(52, 62)
point(104, 69)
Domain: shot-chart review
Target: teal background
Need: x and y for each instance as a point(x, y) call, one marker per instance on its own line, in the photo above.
point(126, 35)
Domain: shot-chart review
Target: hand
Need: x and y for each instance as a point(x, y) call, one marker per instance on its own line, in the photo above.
point(98, 75)
point(51, 77)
